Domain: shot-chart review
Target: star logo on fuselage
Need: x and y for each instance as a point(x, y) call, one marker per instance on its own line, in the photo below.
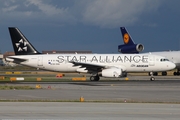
point(21, 45)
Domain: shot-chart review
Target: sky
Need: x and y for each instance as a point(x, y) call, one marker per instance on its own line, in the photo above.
point(91, 24)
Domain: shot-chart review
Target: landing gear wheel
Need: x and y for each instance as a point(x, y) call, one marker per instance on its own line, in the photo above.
point(164, 73)
point(97, 78)
point(124, 74)
point(178, 73)
point(94, 78)
point(152, 78)
point(153, 73)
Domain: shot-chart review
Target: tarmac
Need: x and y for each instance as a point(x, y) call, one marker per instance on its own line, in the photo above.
point(104, 100)
point(88, 111)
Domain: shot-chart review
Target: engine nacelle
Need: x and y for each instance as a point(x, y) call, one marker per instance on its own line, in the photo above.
point(134, 48)
point(112, 72)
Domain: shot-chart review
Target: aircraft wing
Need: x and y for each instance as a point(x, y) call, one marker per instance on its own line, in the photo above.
point(89, 66)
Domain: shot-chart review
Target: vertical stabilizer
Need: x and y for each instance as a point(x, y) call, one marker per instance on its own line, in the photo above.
point(20, 43)
point(126, 36)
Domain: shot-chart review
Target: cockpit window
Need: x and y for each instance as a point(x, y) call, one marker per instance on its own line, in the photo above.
point(164, 59)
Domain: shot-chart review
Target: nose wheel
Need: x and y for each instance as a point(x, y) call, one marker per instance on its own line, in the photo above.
point(152, 78)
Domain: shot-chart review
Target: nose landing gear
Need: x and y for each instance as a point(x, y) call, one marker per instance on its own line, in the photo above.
point(151, 78)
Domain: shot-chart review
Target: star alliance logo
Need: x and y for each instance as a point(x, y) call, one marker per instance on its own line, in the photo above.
point(21, 45)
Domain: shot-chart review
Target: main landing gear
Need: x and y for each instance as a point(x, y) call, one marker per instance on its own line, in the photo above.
point(95, 78)
point(156, 73)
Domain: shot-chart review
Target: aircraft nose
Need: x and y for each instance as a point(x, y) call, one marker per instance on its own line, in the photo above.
point(171, 65)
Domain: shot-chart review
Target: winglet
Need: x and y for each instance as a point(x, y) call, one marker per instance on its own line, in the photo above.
point(20, 43)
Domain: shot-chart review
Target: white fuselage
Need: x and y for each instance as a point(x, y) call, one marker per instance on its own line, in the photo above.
point(173, 56)
point(127, 62)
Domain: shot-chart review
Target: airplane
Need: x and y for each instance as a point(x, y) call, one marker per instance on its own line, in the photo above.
point(99, 65)
point(129, 47)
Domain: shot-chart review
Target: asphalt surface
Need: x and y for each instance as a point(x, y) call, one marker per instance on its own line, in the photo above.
point(104, 100)
point(88, 111)
point(159, 91)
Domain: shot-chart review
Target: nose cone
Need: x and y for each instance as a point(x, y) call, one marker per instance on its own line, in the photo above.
point(171, 65)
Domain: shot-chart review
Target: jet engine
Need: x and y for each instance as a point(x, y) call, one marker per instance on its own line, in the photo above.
point(112, 72)
point(134, 48)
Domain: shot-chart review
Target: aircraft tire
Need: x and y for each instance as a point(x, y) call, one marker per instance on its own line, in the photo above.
point(155, 73)
point(124, 74)
point(150, 73)
point(152, 78)
point(164, 73)
point(94, 78)
point(178, 73)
